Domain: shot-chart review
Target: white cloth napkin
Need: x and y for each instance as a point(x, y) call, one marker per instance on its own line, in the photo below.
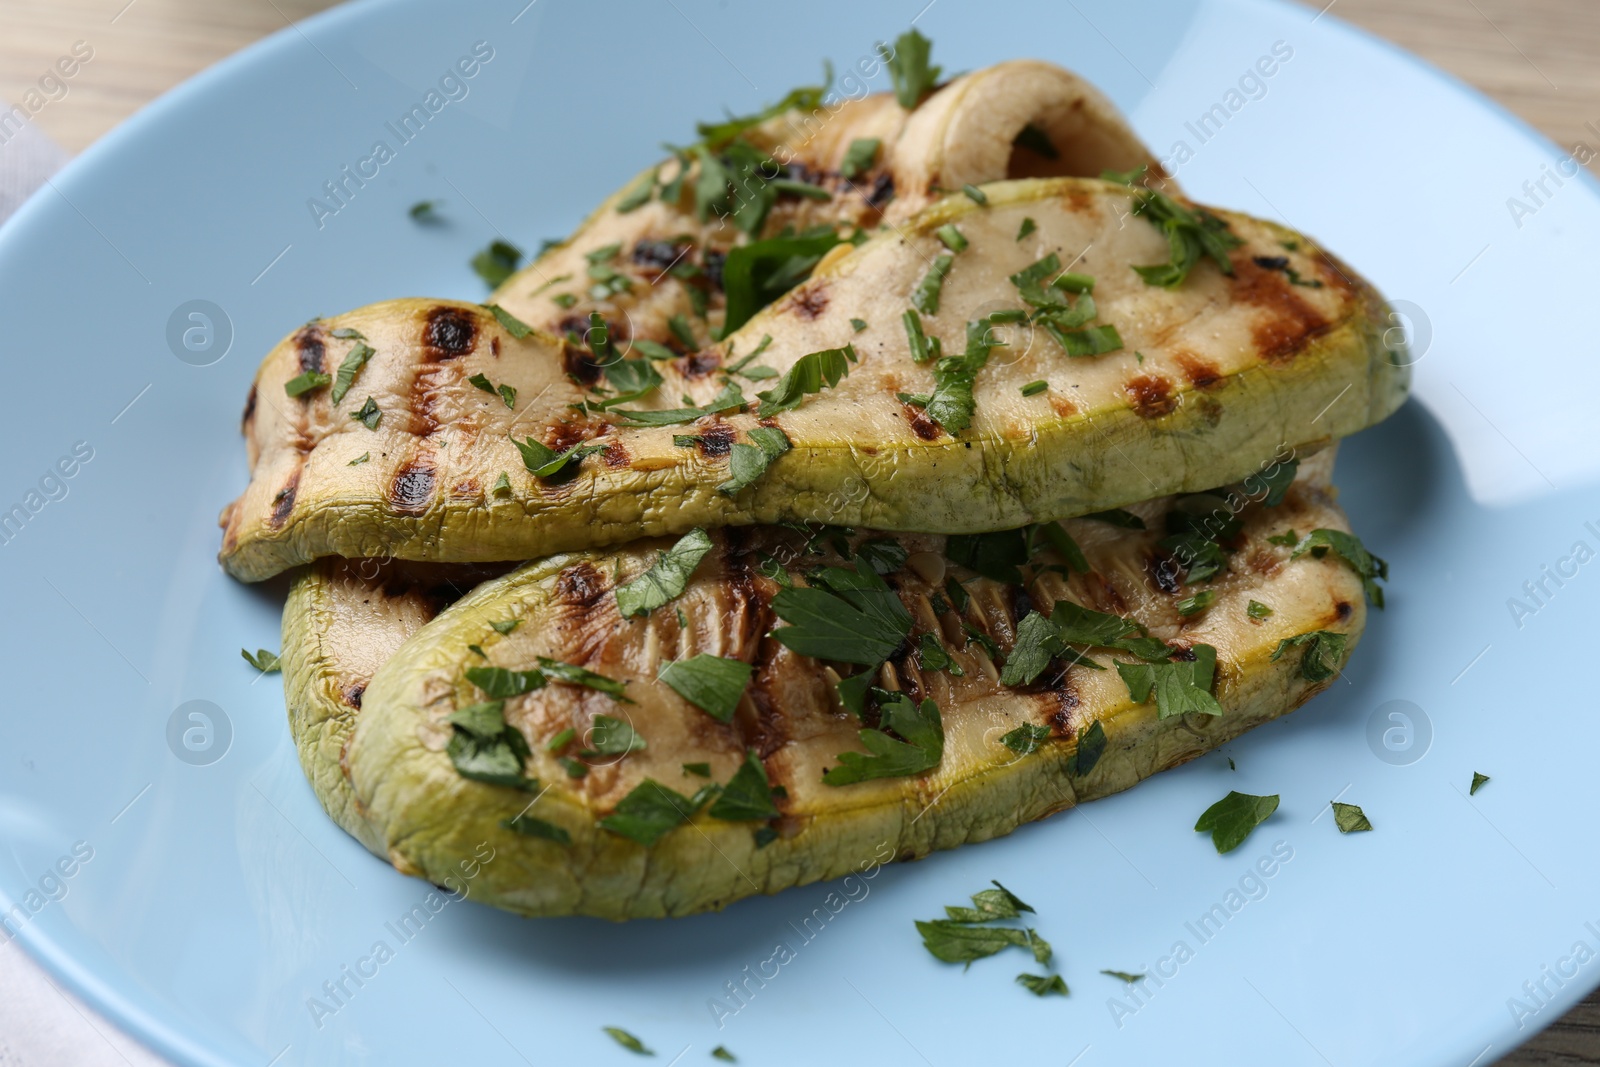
point(41, 1024)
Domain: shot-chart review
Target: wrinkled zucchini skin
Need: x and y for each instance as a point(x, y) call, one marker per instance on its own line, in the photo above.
point(851, 464)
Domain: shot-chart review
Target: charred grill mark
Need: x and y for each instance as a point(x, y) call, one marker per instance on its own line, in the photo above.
point(1056, 682)
point(616, 455)
point(580, 363)
point(1063, 407)
point(1343, 609)
point(283, 502)
point(1201, 375)
point(1288, 323)
point(352, 694)
point(880, 192)
point(1163, 572)
point(465, 490)
point(450, 334)
point(494, 347)
point(1152, 396)
point(716, 440)
point(700, 364)
point(810, 300)
point(563, 435)
point(1020, 604)
point(580, 585)
point(658, 255)
point(921, 424)
point(412, 487)
point(310, 349)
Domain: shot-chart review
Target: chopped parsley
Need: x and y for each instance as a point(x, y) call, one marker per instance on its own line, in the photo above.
point(748, 462)
point(666, 578)
point(614, 737)
point(848, 616)
point(858, 325)
point(545, 462)
point(809, 374)
point(721, 1053)
point(1038, 641)
point(1124, 976)
point(1349, 818)
point(1258, 610)
point(1035, 388)
point(1043, 985)
point(485, 748)
point(627, 1040)
point(951, 237)
point(923, 348)
point(951, 404)
point(859, 157)
point(957, 942)
point(1180, 686)
point(503, 628)
point(528, 826)
point(714, 684)
point(1288, 539)
point(699, 770)
point(502, 485)
point(730, 399)
point(1028, 226)
point(1192, 234)
point(909, 68)
point(756, 274)
point(1091, 746)
point(1026, 739)
point(748, 795)
point(425, 210)
point(976, 195)
point(926, 294)
point(637, 195)
point(354, 360)
point(1478, 782)
point(990, 904)
point(1057, 537)
point(1193, 605)
point(359, 459)
point(1323, 650)
point(806, 98)
point(368, 414)
point(651, 809)
point(513, 325)
point(507, 393)
point(1231, 819)
point(561, 740)
point(262, 660)
point(931, 654)
point(498, 683)
point(921, 750)
point(497, 262)
point(1281, 263)
point(1274, 483)
point(566, 672)
point(306, 382)
point(1348, 547)
point(993, 555)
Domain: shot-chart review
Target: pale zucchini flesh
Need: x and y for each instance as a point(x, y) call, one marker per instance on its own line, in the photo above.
point(1214, 377)
point(424, 816)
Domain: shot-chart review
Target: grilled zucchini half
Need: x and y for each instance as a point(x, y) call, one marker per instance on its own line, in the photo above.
point(644, 804)
point(1204, 381)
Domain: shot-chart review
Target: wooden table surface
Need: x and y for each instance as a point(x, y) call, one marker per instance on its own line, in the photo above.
point(1536, 57)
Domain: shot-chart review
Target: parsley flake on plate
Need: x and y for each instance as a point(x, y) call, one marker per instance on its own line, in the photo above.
point(354, 360)
point(1323, 650)
point(1350, 818)
point(651, 809)
point(262, 660)
point(921, 750)
point(1231, 819)
point(1043, 985)
point(747, 462)
point(497, 262)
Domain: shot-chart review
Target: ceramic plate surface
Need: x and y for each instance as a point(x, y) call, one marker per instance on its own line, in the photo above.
point(210, 903)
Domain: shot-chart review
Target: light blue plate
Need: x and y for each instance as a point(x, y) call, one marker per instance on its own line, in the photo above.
point(218, 899)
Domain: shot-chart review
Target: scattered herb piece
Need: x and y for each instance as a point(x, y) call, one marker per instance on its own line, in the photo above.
point(1348, 547)
point(1193, 605)
point(1231, 819)
point(1064, 545)
point(505, 392)
point(262, 660)
point(627, 1040)
point(859, 157)
point(528, 826)
point(614, 737)
point(1323, 650)
point(500, 683)
point(909, 68)
point(1350, 818)
point(1027, 227)
point(505, 627)
point(545, 462)
point(858, 325)
point(926, 294)
point(354, 360)
point(1180, 687)
point(513, 325)
point(1035, 388)
point(699, 770)
point(756, 274)
point(720, 1053)
point(1275, 483)
point(976, 195)
point(730, 399)
point(1125, 976)
point(1026, 739)
point(666, 578)
point(714, 684)
point(502, 485)
point(951, 238)
point(923, 747)
point(1258, 610)
point(1288, 539)
point(306, 382)
point(748, 462)
point(497, 262)
point(955, 942)
point(566, 672)
point(993, 555)
point(1191, 235)
point(1091, 746)
point(748, 795)
point(849, 616)
point(425, 210)
point(809, 374)
point(1043, 985)
point(485, 748)
point(637, 195)
point(359, 459)
point(368, 414)
point(1478, 782)
point(651, 809)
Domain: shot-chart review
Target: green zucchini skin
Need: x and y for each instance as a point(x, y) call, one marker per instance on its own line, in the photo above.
point(426, 817)
point(1215, 377)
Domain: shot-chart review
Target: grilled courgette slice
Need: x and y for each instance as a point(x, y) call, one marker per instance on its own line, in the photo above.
point(1212, 377)
point(571, 820)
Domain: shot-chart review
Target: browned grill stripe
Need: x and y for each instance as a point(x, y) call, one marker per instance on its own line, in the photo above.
point(310, 349)
point(283, 502)
point(450, 333)
point(412, 488)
